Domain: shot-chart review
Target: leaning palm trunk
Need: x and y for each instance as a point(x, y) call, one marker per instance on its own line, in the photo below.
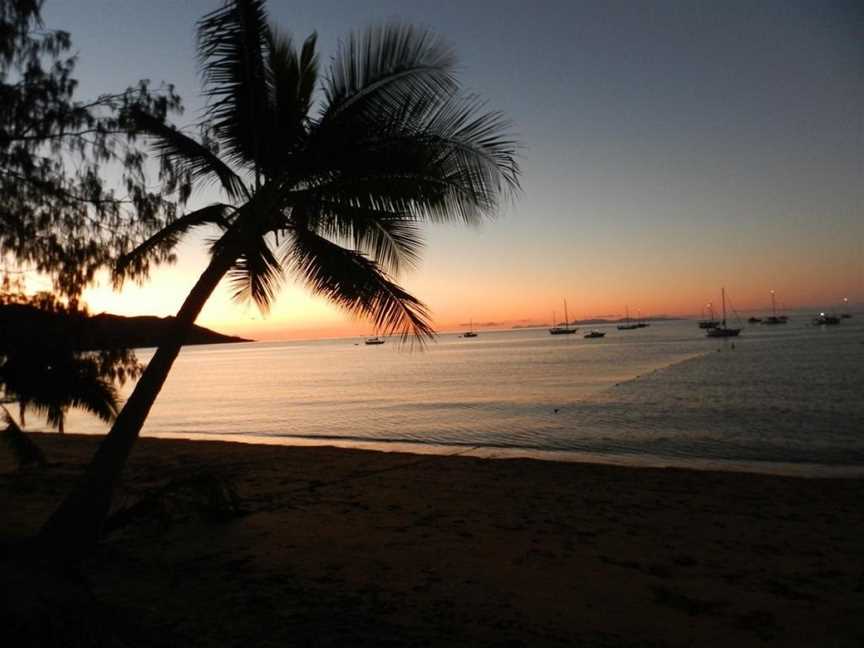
point(77, 523)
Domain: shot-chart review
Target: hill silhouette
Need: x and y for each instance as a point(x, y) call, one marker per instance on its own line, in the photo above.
point(21, 323)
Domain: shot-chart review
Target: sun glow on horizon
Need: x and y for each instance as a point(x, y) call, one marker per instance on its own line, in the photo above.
point(654, 174)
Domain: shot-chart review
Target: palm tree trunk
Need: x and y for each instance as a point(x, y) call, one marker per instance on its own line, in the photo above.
point(77, 523)
point(60, 424)
point(22, 407)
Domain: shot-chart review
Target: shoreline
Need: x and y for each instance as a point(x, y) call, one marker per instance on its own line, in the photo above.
point(333, 546)
point(804, 470)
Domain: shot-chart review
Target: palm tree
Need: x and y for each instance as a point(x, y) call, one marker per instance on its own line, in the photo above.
point(332, 190)
point(53, 380)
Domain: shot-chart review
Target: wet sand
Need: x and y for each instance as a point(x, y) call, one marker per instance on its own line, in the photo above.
point(232, 544)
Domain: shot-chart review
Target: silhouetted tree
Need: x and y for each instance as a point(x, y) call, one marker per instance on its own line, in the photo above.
point(58, 215)
point(43, 367)
point(52, 383)
point(333, 195)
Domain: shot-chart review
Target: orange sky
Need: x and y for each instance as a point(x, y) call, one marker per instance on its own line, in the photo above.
point(519, 286)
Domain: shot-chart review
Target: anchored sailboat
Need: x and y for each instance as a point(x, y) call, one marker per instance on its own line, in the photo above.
point(773, 318)
point(722, 330)
point(562, 330)
point(710, 322)
point(628, 325)
point(470, 332)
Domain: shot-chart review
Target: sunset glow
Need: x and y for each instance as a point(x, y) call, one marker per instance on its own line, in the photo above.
point(648, 182)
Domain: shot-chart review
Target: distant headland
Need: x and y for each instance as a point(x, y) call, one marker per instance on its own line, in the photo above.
point(19, 322)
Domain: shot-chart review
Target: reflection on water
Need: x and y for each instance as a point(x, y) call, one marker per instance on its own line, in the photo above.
point(663, 391)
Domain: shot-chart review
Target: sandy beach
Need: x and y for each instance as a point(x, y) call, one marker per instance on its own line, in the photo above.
point(229, 544)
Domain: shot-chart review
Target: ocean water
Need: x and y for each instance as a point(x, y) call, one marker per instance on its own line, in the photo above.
point(790, 395)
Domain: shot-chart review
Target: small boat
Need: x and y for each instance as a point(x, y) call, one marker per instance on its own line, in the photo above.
point(710, 322)
point(627, 325)
point(562, 330)
point(374, 340)
point(823, 319)
point(722, 331)
point(594, 334)
point(845, 314)
point(754, 320)
point(773, 318)
point(470, 332)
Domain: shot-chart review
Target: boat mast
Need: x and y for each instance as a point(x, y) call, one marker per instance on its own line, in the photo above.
point(566, 317)
point(773, 306)
point(723, 298)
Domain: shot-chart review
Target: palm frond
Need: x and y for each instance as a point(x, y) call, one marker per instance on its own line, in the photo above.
point(131, 263)
point(291, 78)
point(256, 274)
point(232, 42)
point(73, 381)
point(357, 284)
point(474, 153)
point(91, 394)
point(436, 158)
point(183, 155)
point(384, 67)
point(389, 236)
point(23, 449)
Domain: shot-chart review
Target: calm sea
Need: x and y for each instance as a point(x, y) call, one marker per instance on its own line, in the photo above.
point(788, 395)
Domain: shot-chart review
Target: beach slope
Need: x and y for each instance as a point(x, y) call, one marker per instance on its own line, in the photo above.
point(228, 544)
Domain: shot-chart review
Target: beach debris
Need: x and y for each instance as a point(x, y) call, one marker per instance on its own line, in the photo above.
point(22, 448)
point(208, 495)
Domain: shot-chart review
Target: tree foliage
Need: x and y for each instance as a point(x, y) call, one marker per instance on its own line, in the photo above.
point(43, 369)
point(73, 192)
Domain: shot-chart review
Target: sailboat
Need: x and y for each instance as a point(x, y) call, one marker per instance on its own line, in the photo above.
point(723, 331)
point(627, 325)
point(710, 322)
point(773, 318)
point(470, 332)
point(562, 330)
point(826, 319)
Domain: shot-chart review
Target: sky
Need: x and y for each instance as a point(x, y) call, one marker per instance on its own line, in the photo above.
point(669, 149)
